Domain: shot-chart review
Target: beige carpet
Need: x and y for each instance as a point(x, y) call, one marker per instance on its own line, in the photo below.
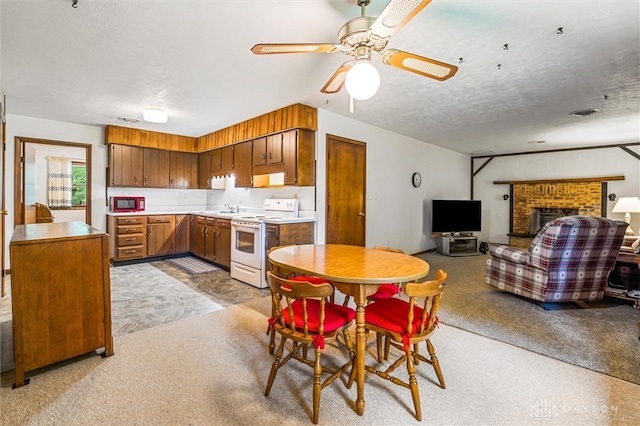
point(601, 336)
point(211, 370)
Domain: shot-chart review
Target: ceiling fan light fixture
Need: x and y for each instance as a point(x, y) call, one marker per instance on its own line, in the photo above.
point(155, 115)
point(363, 80)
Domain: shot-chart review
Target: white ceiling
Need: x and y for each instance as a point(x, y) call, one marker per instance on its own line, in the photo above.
point(108, 59)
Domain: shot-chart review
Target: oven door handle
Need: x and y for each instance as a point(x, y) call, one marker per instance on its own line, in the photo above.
point(247, 228)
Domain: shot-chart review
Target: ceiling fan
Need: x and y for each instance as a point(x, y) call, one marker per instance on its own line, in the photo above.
point(362, 38)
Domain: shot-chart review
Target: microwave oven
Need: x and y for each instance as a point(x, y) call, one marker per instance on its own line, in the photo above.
point(127, 204)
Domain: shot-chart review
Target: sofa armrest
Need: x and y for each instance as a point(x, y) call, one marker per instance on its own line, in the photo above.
point(509, 253)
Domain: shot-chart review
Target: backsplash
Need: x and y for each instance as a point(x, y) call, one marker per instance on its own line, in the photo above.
point(158, 200)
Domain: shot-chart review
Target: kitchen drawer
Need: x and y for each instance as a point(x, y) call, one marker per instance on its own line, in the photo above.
point(211, 221)
point(131, 252)
point(159, 219)
point(130, 229)
point(201, 220)
point(130, 220)
point(223, 223)
point(130, 240)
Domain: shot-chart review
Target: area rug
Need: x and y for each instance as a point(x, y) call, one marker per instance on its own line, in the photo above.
point(601, 336)
point(193, 265)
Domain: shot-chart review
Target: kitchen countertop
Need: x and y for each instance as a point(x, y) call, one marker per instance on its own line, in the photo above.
point(217, 214)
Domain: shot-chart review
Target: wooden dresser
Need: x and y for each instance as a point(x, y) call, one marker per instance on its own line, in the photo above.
point(60, 294)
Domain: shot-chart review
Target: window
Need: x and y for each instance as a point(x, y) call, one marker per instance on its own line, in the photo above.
point(78, 184)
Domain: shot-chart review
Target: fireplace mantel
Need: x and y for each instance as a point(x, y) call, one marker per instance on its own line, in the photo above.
point(569, 180)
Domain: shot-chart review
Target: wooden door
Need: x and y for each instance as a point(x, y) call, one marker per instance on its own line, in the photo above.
point(156, 168)
point(346, 189)
point(242, 169)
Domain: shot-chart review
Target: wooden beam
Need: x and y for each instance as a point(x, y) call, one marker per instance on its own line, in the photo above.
point(585, 179)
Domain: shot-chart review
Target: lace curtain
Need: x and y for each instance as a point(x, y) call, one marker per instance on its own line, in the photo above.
point(59, 182)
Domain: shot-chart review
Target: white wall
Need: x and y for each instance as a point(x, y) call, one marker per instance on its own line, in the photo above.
point(398, 215)
point(568, 164)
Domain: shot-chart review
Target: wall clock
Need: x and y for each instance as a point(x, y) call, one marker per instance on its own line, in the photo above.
point(416, 179)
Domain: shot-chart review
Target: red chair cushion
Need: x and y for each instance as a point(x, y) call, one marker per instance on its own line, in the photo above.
point(312, 280)
point(384, 292)
point(335, 316)
point(391, 314)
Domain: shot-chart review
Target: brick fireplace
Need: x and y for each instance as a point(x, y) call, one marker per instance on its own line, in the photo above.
point(533, 203)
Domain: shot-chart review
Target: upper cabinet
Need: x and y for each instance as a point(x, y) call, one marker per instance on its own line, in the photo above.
point(267, 150)
point(183, 169)
point(135, 166)
point(222, 161)
point(204, 169)
point(125, 165)
point(242, 166)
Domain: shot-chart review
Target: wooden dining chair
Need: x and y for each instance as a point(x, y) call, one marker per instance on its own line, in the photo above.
point(303, 315)
point(289, 274)
point(405, 325)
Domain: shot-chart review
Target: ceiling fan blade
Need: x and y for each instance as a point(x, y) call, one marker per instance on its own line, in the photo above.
point(395, 16)
point(335, 83)
point(276, 48)
point(418, 64)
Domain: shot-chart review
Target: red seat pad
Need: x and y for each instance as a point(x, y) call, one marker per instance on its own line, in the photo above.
point(312, 280)
point(384, 291)
point(335, 316)
point(391, 314)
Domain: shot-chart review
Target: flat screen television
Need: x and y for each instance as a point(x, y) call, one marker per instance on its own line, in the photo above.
point(456, 216)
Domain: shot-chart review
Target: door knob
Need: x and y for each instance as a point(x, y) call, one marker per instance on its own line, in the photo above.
point(361, 214)
point(4, 212)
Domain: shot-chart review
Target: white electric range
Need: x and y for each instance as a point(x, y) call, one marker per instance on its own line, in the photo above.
point(248, 239)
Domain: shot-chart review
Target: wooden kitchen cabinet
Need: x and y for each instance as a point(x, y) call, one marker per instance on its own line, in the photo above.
point(136, 166)
point(287, 234)
point(60, 294)
point(156, 168)
point(242, 167)
point(204, 170)
point(183, 169)
point(267, 154)
point(198, 243)
point(222, 243)
point(160, 235)
point(182, 233)
point(128, 237)
point(125, 165)
point(192, 233)
point(299, 150)
point(210, 239)
point(222, 161)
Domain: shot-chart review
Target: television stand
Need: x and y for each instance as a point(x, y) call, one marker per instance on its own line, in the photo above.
point(457, 245)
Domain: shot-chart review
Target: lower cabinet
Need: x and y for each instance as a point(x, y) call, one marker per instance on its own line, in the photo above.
point(127, 237)
point(287, 234)
point(160, 235)
point(182, 233)
point(223, 243)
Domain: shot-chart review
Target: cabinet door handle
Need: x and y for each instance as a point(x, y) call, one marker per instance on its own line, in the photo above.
point(130, 220)
point(149, 229)
point(264, 157)
point(146, 180)
point(129, 251)
point(269, 155)
point(129, 239)
point(130, 229)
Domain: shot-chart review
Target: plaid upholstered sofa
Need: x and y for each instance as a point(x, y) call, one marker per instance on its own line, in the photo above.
point(569, 260)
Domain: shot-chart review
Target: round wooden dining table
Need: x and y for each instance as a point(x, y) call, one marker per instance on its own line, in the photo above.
point(355, 271)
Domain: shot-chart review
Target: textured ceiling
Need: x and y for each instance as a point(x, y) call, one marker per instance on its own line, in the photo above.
point(106, 59)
